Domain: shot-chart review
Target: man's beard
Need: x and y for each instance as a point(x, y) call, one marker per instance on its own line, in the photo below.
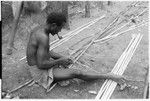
point(53, 32)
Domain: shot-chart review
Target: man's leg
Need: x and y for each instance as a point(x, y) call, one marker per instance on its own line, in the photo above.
point(65, 74)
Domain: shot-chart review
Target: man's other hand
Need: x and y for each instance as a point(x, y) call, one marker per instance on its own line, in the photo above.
point(66, 61)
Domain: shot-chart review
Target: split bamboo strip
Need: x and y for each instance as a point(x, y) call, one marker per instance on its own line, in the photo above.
point(81, 53)
point(120, 59)
point(129, 55)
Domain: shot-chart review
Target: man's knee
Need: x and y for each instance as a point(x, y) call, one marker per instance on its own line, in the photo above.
point(76, 73)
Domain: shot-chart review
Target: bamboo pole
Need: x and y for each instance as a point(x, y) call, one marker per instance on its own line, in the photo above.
point(107, 90)
point(111, 85)
point(122, 69)
point(107, 83)
point(119, 60)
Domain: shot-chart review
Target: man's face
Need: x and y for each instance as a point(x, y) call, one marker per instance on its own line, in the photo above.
point(55, 29)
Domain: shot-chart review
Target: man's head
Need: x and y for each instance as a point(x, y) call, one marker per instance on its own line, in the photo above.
point(55, 22)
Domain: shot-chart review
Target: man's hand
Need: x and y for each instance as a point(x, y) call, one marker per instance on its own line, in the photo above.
point(65, 61)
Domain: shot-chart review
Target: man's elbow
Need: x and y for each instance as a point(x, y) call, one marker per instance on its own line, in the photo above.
point(40, 66)
point(43, 66)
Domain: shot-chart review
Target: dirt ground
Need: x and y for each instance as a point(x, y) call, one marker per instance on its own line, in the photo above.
point(100, 56)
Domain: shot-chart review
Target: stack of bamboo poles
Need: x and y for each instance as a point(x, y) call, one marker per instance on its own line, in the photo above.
point(103, 40)
point(114, 23)
point(110, 36)
point(109, 85)
point(131, 28)
point(71, 34)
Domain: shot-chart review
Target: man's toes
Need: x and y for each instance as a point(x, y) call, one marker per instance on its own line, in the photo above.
point(123, 86)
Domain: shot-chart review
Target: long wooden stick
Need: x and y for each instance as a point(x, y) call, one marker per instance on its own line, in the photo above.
point(146, 84)
point(21, 86)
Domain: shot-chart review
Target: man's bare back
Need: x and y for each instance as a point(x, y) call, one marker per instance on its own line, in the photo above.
point(36, 37)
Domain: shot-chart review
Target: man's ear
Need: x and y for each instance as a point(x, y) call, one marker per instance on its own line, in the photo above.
point(54, 25)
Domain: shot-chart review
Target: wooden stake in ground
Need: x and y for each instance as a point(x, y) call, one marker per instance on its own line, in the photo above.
point(146, 88)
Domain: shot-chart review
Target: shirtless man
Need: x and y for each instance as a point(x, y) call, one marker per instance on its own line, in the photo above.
point(38, 54)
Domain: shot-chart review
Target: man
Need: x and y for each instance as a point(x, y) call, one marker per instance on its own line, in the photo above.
point(39, 56)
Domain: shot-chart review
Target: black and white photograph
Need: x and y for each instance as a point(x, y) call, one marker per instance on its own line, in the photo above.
point(74, 49)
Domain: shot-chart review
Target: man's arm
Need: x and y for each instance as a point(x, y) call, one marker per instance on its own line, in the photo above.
point(54, 55)
point(42, 62)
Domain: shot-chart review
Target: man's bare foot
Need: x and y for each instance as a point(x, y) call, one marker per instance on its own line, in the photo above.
point(118, 79)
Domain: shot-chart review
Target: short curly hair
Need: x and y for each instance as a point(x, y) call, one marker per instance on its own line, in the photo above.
point(58, 18)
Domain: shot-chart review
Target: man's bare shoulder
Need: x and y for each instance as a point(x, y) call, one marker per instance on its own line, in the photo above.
point(41, 37)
